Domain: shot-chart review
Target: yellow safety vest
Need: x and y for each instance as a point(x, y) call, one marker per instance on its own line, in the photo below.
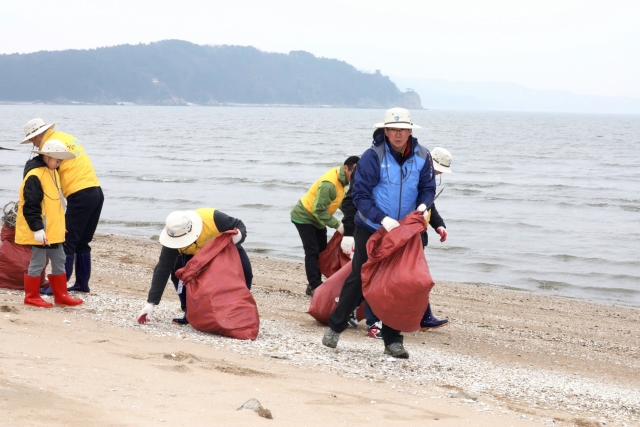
point(209, 231)
point(333, 176)
point(75, 174)
point(52, 212)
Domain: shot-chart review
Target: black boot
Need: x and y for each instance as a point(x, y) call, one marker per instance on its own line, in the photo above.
point(431, 322)
point(181, 320)
point(83, 272)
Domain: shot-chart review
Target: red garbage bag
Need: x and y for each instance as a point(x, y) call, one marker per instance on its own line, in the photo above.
point(218, 300)
point(325, 297)
point(332, 258)
point(14, 261)
point(395, 280)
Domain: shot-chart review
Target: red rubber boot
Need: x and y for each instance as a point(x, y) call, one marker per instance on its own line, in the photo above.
point(58, 285)
point(32, 292)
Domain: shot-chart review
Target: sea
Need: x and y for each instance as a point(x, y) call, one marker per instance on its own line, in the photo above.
point(545, 202)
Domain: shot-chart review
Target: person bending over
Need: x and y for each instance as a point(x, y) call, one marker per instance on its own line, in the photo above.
point(314, 213)
point(184, 235)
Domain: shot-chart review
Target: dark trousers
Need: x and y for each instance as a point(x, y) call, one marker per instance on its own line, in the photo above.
point(83, 212)
point(184, 259)
point(314, 241)
point(351, 293)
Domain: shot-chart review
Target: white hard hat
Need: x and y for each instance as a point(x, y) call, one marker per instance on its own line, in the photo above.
point(56, 149)
point(182, 228)
point(398, 118)
point(33, 128)
point(441, 160)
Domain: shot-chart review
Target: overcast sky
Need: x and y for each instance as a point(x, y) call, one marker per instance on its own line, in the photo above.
point(582, 46)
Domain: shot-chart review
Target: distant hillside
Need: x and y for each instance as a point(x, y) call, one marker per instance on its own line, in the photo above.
point(174, 72)
point(436, 93)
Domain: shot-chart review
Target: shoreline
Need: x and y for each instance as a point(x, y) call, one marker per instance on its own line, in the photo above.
point(252, 252)
point(527, 359)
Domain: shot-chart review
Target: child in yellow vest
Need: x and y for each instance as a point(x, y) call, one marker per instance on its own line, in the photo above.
point(40, 223)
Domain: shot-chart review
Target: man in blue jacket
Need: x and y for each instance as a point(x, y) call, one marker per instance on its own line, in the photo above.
point(394, 177)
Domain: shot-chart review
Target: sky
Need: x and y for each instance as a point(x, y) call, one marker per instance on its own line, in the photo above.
point(586, 47)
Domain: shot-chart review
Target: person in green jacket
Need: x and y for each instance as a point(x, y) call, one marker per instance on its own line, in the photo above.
point(314, 213)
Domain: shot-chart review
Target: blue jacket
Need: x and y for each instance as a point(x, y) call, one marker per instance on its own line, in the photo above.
point(388, 184)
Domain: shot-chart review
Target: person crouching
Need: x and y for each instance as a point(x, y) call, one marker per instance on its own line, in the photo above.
point(40, 223)
point(184, 235)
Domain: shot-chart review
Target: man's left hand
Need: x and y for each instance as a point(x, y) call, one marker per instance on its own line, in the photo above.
point(443, 233)
point(237, 237)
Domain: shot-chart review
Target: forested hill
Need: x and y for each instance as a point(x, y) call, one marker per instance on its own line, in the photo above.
point(174, 72)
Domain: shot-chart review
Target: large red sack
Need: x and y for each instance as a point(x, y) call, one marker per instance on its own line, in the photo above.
point(325, 297)
point(14, 261)
point(218, 300)
point(332, 258)
point(395, 280)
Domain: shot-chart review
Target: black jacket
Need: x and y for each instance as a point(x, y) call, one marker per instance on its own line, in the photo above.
point(348, 209)
point(33, 194)
point(169, 257)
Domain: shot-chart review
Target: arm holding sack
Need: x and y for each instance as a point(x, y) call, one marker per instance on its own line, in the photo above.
point(225, 222)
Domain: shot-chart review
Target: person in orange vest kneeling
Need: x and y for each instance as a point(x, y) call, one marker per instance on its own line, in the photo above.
point(40, 222)
point(184, 235)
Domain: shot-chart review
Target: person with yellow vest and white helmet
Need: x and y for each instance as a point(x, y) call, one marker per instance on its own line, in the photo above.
point(185, 233)
point(40, 223)
point(84, 196)
point(314, 213)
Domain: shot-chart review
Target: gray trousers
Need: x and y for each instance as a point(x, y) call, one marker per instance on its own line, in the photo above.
point(39, 260)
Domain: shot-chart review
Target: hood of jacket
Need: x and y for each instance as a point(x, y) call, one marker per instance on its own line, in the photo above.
point(36, 162)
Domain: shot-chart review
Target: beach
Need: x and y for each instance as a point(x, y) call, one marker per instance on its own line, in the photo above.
point(508, 358)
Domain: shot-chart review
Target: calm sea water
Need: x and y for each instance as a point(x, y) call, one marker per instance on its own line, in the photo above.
point(545, 202)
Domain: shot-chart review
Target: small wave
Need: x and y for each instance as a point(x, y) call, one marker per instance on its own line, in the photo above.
point(181, 159)
point(258, 250)
point(132, 223)
point(486, 266)
point(158, 179)
point(551, 285)
point(630, 208)
point(452, 249)
point(625, 291)
point(257, 206)
point(268, 183)
point(149, 199)
point(467, 191)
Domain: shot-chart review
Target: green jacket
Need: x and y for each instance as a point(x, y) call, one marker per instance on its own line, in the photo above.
point(325, 196)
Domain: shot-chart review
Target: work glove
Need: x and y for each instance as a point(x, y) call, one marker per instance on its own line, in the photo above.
point(340, 229)
point(347, 244)
point(389, 223)
point(41, 237)
point(425, 212)
point(443, 233)
point(145, 314)
point(237, 237)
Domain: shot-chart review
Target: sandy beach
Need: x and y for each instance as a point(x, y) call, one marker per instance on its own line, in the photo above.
point(508, 358)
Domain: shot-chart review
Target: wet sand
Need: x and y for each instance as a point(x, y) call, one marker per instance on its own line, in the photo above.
point(508, 358)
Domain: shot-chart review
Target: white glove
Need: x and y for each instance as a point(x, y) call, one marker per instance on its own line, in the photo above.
point(340, 229)
point(145, 314)
point(41, 237)
point(389, 223)
point(347, 244)
point(237, 237)
point(425, 213)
